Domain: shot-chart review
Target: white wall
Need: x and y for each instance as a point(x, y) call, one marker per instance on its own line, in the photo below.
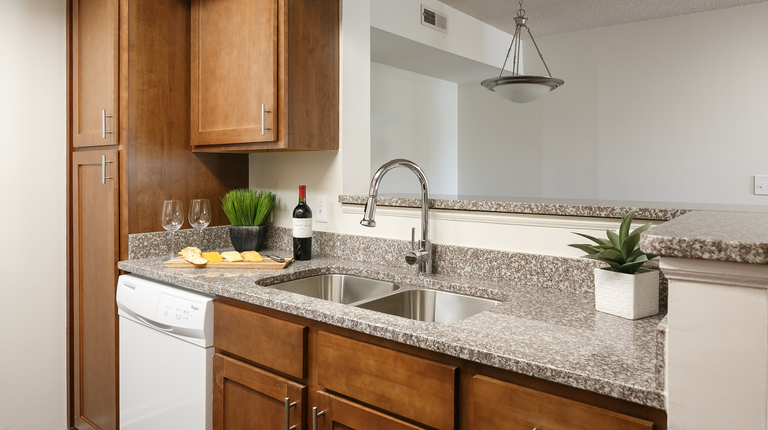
point(496, 157)
point(347, 171)
point(664, 110)
point(33, 217)
point(466, 37)
point(414, 117)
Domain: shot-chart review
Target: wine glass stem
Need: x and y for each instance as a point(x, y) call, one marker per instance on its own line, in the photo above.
point(200, 239)
point(173, 254)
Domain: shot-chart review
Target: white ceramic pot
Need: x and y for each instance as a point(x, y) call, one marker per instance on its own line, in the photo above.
point(628, 296)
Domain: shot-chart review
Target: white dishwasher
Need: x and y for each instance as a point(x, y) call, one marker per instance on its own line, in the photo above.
point(166, 353)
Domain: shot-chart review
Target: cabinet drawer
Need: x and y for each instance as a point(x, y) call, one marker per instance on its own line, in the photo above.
point(405, 385)
point(498, 404)
point(345, 414)
point(272, 342)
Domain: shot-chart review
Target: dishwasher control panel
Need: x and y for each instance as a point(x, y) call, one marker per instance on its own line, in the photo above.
point(174, 310)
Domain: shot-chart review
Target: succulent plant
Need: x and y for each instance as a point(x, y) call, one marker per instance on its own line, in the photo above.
point(620, 251)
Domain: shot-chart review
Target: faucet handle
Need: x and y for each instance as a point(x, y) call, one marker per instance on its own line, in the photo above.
point(413, 238)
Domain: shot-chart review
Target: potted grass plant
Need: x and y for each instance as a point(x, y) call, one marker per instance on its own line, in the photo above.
point(623, 288)
point(247, 211)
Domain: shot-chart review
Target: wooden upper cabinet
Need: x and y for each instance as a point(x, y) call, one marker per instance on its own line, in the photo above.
point(234, 51)
point(94, 72)
point(264, 75)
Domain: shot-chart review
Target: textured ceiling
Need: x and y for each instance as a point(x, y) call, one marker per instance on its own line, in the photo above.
point(548, 17)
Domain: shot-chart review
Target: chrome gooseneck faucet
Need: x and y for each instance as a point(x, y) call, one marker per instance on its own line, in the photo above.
point(423, 254)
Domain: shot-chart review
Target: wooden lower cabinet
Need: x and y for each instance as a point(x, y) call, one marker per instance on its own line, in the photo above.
point(411, 387)
point(94, 314)
point(338, 413)
point(497, 404)
point(361, 382)
point(245, 397)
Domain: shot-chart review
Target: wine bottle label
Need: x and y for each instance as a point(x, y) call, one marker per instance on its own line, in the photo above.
point(302, 227)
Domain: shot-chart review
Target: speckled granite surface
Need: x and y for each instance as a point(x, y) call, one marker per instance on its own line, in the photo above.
point(661, 341)
point(555, 273)
point(739, 237)
point(145, 245)
point(545, 333)
point(660, 211)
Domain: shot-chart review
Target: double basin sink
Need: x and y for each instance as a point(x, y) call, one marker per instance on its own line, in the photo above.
point(390, 298)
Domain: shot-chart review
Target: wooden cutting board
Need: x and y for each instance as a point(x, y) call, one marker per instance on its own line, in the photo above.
point(180, 263)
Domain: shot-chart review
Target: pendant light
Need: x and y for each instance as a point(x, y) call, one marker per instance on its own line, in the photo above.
point(521, 88)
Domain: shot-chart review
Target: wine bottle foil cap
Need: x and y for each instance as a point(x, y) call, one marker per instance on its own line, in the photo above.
point(302, 191)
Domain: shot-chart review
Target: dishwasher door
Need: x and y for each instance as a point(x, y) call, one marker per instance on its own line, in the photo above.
point(166, 356)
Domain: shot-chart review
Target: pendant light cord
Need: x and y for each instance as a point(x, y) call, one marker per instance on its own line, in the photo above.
point(520, 20)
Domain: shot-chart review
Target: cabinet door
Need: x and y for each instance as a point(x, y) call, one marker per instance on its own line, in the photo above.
point(340, 414)
point(234, 71)
point(245, 397)
point(95, 243)
point(497, 404)
point(94, 72)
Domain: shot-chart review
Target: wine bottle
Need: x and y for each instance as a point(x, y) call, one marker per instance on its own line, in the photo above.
point(302, 227)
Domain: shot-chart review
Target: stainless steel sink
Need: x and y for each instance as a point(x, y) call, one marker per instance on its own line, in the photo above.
point(429, 305)
point(344, 289)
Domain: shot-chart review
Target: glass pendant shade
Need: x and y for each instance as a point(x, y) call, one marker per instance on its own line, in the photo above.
point(521, 88)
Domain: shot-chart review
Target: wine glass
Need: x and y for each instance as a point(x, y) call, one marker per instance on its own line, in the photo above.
point(199, 217)
point(172, 218)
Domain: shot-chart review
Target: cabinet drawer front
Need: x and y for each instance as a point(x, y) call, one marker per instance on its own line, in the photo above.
point(342, 413)
point(405, 385)
point(498, 404)
point(272, 342)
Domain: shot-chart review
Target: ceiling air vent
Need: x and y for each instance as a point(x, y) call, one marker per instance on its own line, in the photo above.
point(433, 19)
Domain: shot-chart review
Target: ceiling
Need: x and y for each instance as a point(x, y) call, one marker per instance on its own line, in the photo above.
point(547, 17)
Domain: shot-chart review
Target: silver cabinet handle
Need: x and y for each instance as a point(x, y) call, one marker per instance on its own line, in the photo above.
point(104, 163)
point(263, 112)
point(288, 406)
point(316, 414)
point(104, 131)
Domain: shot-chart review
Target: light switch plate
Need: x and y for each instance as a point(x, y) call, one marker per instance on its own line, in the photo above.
point(322, 209)
point(761, 185)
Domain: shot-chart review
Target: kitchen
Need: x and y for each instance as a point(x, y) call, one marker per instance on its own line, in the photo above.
point(37, 367)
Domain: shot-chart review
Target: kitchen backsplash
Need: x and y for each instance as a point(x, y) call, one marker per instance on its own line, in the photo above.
point(554, 273)
point(157, 244)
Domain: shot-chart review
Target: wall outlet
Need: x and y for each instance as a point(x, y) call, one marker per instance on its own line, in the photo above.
point(321, 214)
point(761, 185)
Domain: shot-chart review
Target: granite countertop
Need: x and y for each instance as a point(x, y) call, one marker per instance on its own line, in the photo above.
point(656, 211)
point(553, 335)
point(726, 236)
